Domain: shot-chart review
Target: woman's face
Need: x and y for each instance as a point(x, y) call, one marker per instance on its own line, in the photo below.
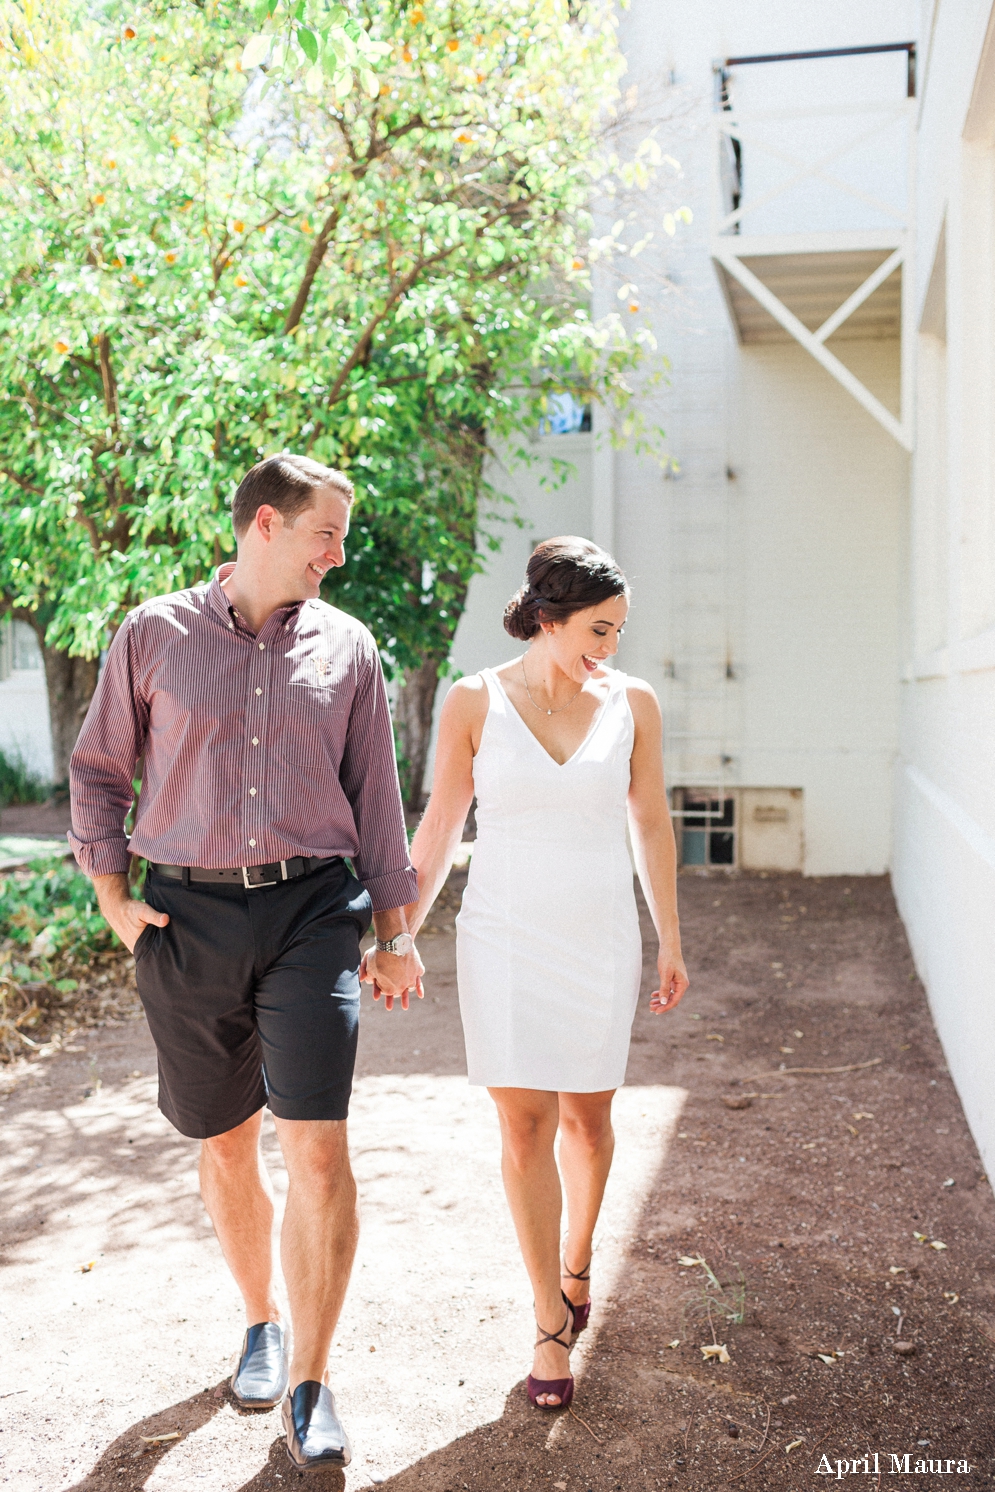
point(581, 644)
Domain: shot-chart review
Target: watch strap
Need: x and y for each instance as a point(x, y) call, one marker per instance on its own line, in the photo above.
point(400, 944)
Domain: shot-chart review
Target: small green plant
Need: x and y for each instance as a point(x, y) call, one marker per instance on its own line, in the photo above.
point(713, 1300)
point(59, 961)
point(18, 784)
point(48, 909)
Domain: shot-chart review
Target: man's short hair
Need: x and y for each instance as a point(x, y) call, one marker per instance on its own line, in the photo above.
point(288, 484)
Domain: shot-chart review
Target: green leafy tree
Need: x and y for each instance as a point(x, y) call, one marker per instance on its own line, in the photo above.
point(201, 265)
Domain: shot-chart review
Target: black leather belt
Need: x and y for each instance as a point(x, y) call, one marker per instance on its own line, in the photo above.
point(250, 876)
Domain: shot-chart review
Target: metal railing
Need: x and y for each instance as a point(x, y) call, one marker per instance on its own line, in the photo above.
point(820, 219)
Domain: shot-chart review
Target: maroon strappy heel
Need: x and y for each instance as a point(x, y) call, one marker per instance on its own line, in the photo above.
point(563, 1388)
point(581, 1313)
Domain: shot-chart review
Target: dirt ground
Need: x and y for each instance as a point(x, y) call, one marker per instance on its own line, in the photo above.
point(52, 817)
point(818, 1206)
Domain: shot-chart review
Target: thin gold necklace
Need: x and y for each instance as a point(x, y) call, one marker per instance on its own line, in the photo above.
point(539, 707)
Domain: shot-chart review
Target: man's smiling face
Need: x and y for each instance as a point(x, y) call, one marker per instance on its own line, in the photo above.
point(303, 551)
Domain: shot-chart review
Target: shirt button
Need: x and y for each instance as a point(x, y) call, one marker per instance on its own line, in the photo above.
point(255, 740)
point(231, 624)
point(252, 792)
point(252, 844)
point(259, 691)
point(262, 647)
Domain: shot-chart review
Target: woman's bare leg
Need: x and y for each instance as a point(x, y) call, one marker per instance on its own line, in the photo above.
point(532, 1185)
point(587, 1144)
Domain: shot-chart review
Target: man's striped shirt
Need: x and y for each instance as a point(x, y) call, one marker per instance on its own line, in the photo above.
point(257, 747)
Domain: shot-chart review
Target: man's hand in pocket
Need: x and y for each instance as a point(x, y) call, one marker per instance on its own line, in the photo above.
point(126, 916)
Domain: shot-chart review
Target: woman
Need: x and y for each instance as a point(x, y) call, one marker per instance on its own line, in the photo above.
point(556, 747)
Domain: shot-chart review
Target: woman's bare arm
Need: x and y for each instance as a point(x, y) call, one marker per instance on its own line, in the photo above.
point(437, 839)
point(653, 841)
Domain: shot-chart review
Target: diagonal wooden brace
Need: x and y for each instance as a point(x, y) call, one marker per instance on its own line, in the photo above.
point(810, 341)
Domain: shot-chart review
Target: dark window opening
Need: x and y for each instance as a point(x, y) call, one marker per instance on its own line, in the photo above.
point(707, 829)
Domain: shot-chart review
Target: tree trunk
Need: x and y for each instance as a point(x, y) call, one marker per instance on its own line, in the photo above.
point(70, 683)
point(413, 721)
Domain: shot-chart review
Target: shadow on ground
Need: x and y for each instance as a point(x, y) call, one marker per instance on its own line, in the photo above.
point(818, 1204)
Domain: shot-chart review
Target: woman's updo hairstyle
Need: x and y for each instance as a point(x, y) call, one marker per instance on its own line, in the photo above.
point(562, 576)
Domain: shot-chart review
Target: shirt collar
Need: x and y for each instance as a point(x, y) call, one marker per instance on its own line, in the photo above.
point(219, 599)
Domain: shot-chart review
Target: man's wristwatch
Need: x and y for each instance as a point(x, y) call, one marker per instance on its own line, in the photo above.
point(401, 944)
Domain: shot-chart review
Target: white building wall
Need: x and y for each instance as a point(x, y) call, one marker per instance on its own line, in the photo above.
point(944, 852)
point(24, 727)
point(537, 512)
point(25, 732)
point(820, 493)
point(767, 575)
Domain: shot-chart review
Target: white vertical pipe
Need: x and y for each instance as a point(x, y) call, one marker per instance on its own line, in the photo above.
point(907, 409)
point(603, 480)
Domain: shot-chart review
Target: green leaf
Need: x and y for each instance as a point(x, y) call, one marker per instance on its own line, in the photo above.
point(308, 42)
point(369, 81)
point(256, 51)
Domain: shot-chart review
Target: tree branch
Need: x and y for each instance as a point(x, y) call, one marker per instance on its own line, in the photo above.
point(90, 525)
point(314, 259)
point(20, 482)
point(81, 517)
point(319, 248)
point(360, 350)
point(107, 378)
point(401, 288)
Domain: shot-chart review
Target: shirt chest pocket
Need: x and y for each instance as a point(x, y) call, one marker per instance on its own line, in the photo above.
point(314, 685)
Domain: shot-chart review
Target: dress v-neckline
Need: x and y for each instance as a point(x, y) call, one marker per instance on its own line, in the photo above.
point(595, 721)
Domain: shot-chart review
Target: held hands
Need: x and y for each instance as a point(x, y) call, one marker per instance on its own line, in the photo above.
point(673, 981)
point(126, 916)
point(393, 976)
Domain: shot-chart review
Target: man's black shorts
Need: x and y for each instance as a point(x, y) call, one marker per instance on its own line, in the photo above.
point(253, 996)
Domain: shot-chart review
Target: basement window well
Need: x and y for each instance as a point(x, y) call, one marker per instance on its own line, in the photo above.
point(749, 828)
point(707, 829)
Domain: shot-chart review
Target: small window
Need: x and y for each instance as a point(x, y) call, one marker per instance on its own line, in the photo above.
point(706, 828)
point(565, 416)
point(27, 653)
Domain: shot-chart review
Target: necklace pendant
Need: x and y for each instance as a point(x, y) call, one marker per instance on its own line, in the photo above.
point(549, 712)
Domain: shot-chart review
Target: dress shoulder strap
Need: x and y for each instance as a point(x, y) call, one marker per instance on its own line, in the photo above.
point(618, 698)
point(495, 694)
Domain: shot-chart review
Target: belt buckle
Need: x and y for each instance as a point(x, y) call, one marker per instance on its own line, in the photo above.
point(258, 885)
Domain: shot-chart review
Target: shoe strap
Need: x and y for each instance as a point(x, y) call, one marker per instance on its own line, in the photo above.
point(554, 1336)
point(571, 1276)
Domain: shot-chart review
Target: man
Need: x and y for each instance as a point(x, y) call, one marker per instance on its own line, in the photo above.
point(268, 753)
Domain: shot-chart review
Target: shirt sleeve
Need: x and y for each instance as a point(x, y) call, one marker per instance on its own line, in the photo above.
point(102, 768)
point(368, 774)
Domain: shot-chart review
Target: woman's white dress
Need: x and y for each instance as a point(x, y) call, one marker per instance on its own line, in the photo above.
point(548, 947)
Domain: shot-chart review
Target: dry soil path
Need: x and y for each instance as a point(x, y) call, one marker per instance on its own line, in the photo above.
point(815, 1205)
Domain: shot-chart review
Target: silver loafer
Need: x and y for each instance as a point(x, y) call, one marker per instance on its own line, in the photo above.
point(260, 1380)
point(315, 1436)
